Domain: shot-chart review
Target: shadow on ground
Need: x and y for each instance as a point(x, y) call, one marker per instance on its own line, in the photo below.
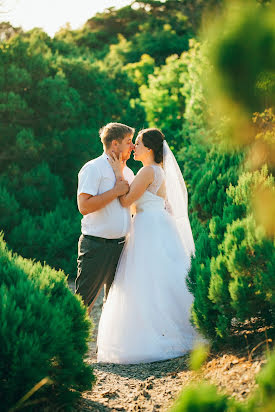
point(145, 370)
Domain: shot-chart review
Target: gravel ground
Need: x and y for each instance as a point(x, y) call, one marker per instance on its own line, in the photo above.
point(155, 386)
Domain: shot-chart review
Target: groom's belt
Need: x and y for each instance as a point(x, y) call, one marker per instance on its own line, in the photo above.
point(104, 240)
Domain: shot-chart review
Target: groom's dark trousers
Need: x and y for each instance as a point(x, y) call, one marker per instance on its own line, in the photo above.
point(96, 266)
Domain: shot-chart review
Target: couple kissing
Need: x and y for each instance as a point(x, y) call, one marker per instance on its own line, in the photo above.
point(137, 243)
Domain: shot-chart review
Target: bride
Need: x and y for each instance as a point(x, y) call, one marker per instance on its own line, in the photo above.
point(146, 315)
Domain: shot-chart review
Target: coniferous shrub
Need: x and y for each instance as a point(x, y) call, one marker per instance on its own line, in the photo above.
point(44, 332)
point(37, 189)
point(211, 180)
point(9, 209)
point(210, 173)
point(236, 283)
point(51, 238)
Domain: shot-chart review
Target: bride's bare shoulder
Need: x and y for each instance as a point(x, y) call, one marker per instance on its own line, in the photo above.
point(146, 169)
point(146, 173)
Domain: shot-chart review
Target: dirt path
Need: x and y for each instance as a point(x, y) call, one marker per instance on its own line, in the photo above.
point(153, 387)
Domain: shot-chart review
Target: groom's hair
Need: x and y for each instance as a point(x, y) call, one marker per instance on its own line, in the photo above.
point(114, 131)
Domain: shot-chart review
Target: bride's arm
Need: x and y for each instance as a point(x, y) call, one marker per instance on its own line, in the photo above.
point(143, 179)
point(140, 183)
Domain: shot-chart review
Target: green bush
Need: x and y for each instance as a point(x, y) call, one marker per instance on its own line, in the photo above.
point(209, 172)
point(44, 332)
point(9, 209)
point(50, 238)
point(235, 264)
point(211, 181)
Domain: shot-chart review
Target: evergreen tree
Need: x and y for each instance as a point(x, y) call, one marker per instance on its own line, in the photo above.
point(44, 332)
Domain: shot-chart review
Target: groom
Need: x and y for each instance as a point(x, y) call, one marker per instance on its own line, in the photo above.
point(105, 222)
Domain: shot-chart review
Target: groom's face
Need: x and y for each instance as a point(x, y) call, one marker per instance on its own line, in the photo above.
point(125, 147)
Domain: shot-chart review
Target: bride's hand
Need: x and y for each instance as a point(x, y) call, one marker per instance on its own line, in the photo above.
point(117, 164)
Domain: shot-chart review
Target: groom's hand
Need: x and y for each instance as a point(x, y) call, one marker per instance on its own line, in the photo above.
point(117, 164)
point(121, 187)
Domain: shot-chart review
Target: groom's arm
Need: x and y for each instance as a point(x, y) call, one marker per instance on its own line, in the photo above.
point(88, 203)
point(88, 199)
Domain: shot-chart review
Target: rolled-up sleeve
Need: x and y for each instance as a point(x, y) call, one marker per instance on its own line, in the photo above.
point(88, 180)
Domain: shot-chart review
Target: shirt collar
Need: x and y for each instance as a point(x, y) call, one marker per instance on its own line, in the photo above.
point(105, 156)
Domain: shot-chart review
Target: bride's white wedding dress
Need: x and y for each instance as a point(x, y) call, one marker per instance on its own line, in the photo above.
point(146, 315)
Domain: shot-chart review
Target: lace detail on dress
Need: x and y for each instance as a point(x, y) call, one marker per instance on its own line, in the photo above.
point(157, 182)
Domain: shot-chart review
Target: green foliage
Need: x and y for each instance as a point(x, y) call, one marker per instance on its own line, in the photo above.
point(51, 108)
point(160, 43)
point(162, 100)
point(239, 268)
point(204, 397)
point(9, 209)
point(51, 237)
point(241, 80)
point(159, 29)
point(44, 332)
point(56, 94)
point(239, 65)
point(198, 357)
point(37, 189)
point(211, 181)
point(264, 397)
point(229, 242)
point(173, 97)
point(174, 100)
point(141, 65)
point(139, 71)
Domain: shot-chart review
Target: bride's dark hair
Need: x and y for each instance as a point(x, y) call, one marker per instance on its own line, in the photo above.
point(153, 139)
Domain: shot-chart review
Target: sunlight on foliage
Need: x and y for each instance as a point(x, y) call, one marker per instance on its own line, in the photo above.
point(241, 50)
point(198, 356)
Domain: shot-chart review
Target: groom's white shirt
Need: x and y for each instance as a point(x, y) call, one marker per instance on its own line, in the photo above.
point(112, 221)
